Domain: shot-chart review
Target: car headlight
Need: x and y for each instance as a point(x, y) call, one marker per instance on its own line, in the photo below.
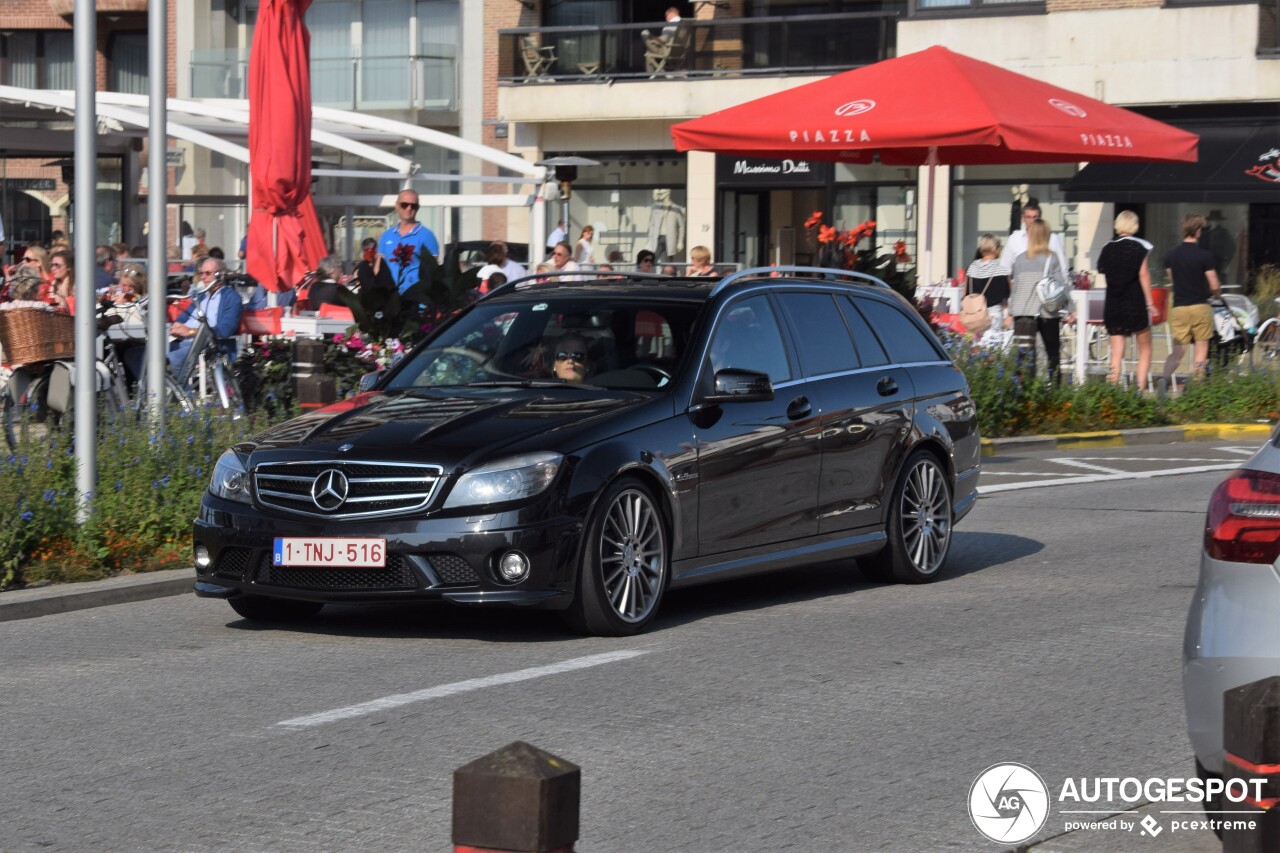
point(230, 479)
point(505, 480)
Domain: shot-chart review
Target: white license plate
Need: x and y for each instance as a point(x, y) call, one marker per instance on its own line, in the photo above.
point(342, 553)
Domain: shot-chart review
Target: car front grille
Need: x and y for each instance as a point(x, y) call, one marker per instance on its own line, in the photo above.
point(396, 575)
point(452, 569)
point(373, 489)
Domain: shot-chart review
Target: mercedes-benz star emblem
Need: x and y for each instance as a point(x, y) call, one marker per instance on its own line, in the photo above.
point(329, 491)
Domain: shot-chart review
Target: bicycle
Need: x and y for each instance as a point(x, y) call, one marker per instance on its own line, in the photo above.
point(43, 393)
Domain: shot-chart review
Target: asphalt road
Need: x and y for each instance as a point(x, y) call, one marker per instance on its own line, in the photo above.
point(808, 710)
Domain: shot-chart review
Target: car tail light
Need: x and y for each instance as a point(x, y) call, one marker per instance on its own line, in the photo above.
point(1243, 525)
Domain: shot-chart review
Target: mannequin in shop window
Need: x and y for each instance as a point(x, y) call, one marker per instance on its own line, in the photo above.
point(666, 226)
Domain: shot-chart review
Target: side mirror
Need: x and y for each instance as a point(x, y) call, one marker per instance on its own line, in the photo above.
point(368, 381)
point(740, 386)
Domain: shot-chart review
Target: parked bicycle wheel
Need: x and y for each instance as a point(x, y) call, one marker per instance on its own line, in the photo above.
point(43, 398)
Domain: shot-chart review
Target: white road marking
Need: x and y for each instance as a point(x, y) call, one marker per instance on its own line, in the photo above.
point(1148, 458)
point(1103, 478)
point(1247, 451)
point(439, 692)
point(1089, 465)
point(989, 473)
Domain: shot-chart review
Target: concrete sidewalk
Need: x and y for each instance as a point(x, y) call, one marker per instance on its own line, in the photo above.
point(62, 598)
point(1127, 437)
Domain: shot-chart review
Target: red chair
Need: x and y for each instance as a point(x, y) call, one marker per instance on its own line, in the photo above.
point(1159, 305)
point(175, 309)
point(328, 311)
point(265, 321)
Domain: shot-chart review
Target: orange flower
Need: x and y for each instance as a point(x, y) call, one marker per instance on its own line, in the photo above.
point(826, 234)
point(814, 219)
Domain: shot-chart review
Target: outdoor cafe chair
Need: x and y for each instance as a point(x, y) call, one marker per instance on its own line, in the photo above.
point(537, 60)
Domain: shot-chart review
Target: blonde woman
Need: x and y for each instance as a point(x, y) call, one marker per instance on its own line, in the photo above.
point(986, 275)
point(35, 257)
point(700, 263)
point(1037, 262)
point(1128, 306)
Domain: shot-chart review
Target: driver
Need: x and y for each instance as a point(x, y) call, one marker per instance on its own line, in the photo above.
point(571, 363)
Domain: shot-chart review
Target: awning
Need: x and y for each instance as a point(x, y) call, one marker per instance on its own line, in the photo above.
point(1238, 164)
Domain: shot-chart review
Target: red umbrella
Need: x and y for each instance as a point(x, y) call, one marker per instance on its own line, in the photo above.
point(934, 107)
point(284, 233)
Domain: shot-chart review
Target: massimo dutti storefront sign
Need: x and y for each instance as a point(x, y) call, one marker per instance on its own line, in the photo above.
point(756, 172)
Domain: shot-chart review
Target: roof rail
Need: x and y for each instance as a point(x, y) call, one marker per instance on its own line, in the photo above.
point(838, 275)
point(534, 279)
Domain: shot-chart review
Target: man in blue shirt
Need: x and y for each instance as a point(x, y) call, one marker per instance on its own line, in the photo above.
point(410, 233)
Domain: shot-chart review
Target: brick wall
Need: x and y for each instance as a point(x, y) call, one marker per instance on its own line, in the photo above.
point(498, 14)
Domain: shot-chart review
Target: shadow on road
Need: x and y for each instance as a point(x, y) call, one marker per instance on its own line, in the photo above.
point(970, 552)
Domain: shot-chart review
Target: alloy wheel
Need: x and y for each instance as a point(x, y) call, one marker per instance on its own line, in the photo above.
point(633, 556)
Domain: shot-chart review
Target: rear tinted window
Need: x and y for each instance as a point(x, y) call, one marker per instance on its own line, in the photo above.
point(906, 341)
point(869, 349)
point(821, 335)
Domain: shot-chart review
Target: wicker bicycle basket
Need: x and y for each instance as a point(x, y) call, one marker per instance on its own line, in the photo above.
point(33, 334)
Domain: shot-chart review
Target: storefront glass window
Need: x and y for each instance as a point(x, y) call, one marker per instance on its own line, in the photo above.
point(634, 202)
point(988, 200)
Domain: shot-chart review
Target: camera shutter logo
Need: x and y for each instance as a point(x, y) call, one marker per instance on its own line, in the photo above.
point(1008, 803)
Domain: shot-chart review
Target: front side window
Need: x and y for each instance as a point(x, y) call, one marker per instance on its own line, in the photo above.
point(748, 337)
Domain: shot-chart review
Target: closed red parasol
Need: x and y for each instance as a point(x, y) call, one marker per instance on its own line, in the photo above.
point(284, 233)
point(934, 107)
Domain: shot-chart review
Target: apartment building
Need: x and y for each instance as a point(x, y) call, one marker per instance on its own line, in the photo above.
point(583, 77)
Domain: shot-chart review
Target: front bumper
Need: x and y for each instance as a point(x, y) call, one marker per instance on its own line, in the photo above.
point(438, 558)
point(1232, 638)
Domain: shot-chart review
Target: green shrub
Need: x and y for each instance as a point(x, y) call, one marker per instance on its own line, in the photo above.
point(1228, 397)
point(140, 516)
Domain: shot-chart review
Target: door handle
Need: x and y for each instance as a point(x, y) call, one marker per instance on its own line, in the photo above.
point(799, 408)
point(887, 387)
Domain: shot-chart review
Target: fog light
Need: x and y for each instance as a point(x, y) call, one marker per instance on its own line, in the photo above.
point(513, 566)
point(202, 557)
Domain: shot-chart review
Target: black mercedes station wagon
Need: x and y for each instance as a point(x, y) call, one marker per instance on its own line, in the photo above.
point(583, 445)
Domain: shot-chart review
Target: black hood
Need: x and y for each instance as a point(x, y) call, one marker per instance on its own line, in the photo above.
point(448, 426)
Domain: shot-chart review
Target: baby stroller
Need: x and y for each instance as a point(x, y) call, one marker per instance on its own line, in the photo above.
point(1235, 324)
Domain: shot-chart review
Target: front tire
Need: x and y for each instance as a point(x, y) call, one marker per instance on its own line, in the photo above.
point(260, 608)
point(625, 564)
point(919, 529)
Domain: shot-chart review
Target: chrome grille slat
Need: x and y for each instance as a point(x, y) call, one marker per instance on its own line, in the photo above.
point(395, 488)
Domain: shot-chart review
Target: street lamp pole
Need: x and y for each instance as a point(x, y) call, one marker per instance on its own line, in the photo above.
point(84, 222)
point(157, 212)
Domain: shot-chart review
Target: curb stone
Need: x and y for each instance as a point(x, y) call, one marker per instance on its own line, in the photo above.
point(1126, 437)
point(64, 598)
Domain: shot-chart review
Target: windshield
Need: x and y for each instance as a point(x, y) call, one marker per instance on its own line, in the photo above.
point(570, 339)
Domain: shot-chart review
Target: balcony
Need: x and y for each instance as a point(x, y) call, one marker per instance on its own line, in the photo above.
point(421, 82)
point(728, 47)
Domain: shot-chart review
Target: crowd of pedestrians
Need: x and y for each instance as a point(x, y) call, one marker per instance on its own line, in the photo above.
point(1013, 275)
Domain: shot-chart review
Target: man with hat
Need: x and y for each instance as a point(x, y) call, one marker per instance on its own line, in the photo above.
point(1217, 241)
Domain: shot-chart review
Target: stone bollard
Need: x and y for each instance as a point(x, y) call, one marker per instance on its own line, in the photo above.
point(314, 388)
point(1251, 743)
point(517, 798)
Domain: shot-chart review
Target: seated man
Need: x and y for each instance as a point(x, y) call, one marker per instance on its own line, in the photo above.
point(219, 304)
point(571, 363)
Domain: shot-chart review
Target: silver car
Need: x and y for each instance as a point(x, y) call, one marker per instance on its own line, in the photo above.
point(1233, 628)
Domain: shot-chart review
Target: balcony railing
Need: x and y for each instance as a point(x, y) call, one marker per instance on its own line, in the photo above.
point(792, 44)
point(419, 82)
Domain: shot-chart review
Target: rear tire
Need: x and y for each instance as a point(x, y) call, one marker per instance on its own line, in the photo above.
point(625, 565)
point(260, 608)
point(919, 529)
